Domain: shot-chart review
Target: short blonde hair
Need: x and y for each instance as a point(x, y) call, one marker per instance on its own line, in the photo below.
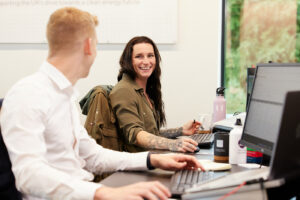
point(67, 26)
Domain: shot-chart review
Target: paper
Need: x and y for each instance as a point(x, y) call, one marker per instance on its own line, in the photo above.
point(210, 165)
point(250, 165)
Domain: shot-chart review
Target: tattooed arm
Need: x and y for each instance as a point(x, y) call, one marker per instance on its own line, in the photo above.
point(150, 141)
point(171, 133)
point(188, 128)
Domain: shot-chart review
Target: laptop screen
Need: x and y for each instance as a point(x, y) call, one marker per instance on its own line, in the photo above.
point(271, 83)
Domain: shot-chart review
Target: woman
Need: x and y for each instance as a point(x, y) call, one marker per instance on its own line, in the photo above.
point(138, 105)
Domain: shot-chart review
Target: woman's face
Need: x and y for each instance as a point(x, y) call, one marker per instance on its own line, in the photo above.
point(143, 60)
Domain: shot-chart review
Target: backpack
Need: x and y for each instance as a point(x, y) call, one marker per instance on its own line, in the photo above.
point(101, 123)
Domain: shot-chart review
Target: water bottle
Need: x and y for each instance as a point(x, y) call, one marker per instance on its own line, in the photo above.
point(219, 107)
point(237, 152)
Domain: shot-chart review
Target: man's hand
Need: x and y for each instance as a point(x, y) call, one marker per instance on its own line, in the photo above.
point(174, 162)
point(183, 144)
point(143, 190)
point(190, 127)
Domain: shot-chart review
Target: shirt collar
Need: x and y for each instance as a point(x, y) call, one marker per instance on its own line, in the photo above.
point(58, 77)
point(127, 78)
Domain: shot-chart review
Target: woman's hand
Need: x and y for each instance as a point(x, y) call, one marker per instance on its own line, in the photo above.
point(190, 127)
point(183, 144)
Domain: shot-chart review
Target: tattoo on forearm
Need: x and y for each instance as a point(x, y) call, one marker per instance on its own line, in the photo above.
point(171, 133)
point(176, 145)
point(156, 142)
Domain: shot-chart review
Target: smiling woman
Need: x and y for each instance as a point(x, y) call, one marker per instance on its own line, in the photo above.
point(137, 102)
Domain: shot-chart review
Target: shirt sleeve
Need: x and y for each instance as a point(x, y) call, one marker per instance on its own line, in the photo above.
point(124, 104)
point(99, 159)
point(23, 123)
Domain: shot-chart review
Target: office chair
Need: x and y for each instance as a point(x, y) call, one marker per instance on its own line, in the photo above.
point(8, 190)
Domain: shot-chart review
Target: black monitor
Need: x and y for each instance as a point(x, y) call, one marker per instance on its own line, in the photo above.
point(250, 79)
point(272, 81)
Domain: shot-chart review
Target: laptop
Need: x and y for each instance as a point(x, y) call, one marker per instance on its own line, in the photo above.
point(285, 159)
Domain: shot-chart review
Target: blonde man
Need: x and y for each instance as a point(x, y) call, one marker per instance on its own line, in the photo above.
point(51, 154)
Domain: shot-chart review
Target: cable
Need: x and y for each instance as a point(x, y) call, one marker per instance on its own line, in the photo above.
point(262, 187)
point(232, 191)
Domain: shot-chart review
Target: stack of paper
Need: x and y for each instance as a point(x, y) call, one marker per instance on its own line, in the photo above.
point(210, 165)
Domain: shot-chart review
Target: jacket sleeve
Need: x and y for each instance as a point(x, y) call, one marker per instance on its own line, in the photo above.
point(124, 103)
point(94, 119)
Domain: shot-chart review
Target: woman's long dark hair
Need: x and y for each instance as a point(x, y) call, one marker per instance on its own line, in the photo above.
point(153, 87)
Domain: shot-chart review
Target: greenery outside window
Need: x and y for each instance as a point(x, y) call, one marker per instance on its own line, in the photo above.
point(256, 31)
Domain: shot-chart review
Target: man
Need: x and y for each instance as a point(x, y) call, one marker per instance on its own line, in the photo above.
point(51, 154)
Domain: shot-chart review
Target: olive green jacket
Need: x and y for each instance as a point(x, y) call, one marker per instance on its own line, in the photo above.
point(101, 121)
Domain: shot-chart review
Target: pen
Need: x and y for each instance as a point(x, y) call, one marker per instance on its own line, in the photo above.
point(201, 127)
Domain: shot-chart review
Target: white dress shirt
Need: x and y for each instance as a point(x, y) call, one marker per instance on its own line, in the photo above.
point(51, 153)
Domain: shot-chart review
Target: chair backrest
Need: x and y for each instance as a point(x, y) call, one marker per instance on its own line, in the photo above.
point(7, 180)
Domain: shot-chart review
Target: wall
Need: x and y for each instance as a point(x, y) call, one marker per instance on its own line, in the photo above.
point(190, 68)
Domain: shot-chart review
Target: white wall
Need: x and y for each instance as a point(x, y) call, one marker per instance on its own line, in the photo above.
point(189, 68)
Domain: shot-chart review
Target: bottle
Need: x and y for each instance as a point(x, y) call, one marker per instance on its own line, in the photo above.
point(237, 151)
point(219, 107)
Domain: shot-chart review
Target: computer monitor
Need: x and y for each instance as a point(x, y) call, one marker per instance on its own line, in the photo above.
point(272, 81)
point(250, 79)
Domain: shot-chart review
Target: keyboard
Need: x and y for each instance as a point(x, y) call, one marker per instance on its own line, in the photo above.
point(204, 139)
point(185, 179)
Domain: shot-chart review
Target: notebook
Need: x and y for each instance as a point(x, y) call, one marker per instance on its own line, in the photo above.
point(285, 159)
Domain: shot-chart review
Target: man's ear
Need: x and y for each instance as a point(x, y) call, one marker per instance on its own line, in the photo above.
point(88, 46)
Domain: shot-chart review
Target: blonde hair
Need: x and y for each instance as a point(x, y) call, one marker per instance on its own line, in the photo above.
point(67, 26)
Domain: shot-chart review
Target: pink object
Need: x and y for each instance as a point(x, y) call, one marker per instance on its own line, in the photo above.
point(219, 107)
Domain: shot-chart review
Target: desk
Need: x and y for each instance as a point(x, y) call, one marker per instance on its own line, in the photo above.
point(129, 177)
point(247, 192)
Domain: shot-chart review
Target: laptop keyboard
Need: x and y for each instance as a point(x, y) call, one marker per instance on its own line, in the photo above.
point(184, 179)
point(203, 139)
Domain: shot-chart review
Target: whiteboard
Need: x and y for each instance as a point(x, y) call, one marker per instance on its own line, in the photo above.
point(24, 21)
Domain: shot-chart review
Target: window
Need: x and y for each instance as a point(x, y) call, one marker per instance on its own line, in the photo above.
point(256, 31)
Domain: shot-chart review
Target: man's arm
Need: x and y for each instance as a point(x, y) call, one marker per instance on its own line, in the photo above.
point(99, 159)
point(142, 190)
point(150, 190)
point(22, 125)
point(174, 162)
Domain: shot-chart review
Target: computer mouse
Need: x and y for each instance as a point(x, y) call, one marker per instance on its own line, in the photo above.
point(197, 150)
